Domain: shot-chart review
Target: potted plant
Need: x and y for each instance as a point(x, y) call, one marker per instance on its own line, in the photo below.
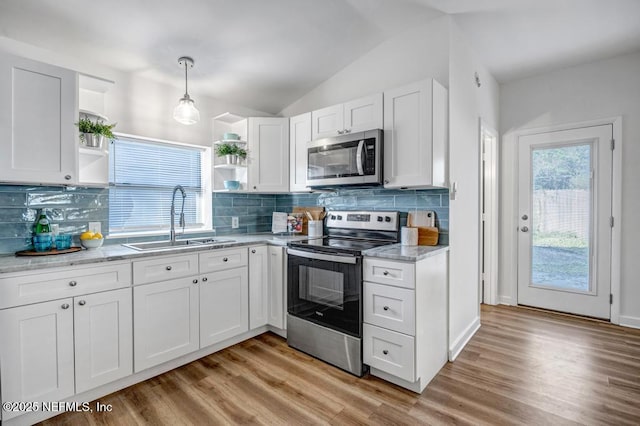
point(93, 133)
point(231, 151)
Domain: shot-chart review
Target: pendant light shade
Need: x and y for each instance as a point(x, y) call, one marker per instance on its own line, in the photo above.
point(185, 112)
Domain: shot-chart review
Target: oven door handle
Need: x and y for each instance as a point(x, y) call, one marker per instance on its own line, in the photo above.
point(359, 158)
point(321, 256)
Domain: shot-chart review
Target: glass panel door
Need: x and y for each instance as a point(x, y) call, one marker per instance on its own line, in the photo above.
point(561, 212)
point(564, 234)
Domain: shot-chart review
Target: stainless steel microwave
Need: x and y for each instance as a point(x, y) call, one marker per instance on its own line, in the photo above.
point(353, 159)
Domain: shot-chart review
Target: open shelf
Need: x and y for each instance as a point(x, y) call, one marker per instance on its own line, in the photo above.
point(235, 141)
point(230, 166)
point(229, 118)
point(92, 115)
point(97, 152)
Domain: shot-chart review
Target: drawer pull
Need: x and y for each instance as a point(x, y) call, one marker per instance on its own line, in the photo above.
point(65, 306)
point(73, 283)
point(225, 259)
point(82, 302)
point(385, 273)
point(386, 352)
point(386, 308)
point(169, 268)
point(204, 279)
point(195, 281)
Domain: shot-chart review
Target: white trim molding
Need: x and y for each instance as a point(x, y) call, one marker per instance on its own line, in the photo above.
point(633, 322)
point(463, 339)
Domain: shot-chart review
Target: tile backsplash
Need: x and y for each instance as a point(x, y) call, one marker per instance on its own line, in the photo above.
point(73, 207)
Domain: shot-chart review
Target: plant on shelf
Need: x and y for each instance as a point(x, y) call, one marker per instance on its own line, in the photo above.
point(92, 133)
point(231, 151)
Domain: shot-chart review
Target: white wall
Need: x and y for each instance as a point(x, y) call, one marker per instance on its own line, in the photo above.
point(467, 103)
point(139, 106)
point(415, 54)
point(601, 89)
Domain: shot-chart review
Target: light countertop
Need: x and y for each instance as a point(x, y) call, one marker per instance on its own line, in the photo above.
point(110, 252)
point(405, 253)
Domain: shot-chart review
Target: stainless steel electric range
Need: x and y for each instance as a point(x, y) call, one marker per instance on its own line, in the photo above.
point(324, 285)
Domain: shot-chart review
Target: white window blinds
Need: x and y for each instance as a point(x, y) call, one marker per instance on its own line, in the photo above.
point(142, 175)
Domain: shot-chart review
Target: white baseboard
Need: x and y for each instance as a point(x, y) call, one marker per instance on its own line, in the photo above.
point(505, 300)
point(633, 322)
point(463, 339)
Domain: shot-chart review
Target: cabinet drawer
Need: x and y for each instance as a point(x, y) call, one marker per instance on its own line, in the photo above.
point(390, 307)
point(44, 285)
point(388, 272)
point(164, 268)
point(219, 260)
point(388, 351)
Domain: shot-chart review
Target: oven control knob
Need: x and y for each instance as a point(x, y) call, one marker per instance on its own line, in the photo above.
point(339, 217)
point(380, 219)
point(333, 217)
point(387, 219)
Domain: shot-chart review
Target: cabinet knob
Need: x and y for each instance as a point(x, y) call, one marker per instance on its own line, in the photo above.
point(386, 308)
point(73, 283)
point(525, 229)
point(347, 130)
point(253, 251)
point(67, 177)
point(65, 306)
point(225, 259)
point(255, 187)
point(205, 279)
point(340, 132)
point(169, 268)
point(195, 281)
point(386, 181)
point(385, 273)
point(386, 352)
point(82, 302)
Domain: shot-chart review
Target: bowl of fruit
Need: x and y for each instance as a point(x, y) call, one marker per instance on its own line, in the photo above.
point(91, 240)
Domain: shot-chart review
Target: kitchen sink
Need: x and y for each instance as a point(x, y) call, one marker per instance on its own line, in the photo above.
point(171, 245)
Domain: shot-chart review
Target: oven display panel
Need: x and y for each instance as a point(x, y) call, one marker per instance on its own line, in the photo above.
point(358, 217)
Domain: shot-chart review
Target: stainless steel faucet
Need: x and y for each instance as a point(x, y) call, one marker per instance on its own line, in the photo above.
point(172, 233)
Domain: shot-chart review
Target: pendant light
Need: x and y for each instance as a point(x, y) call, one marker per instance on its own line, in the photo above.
point(185, 112)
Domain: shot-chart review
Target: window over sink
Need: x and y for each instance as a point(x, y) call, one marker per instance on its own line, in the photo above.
point(142, 175)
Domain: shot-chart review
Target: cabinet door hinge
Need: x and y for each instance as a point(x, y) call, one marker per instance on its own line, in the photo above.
point(611, 221)
point(613, 144)
point(610, 299)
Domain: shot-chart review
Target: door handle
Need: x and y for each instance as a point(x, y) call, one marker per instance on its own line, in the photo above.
point(525, 229)
point(359, 158)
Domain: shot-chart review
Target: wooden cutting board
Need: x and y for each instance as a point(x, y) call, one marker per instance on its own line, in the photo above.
point(315, 212)
point(425, 221)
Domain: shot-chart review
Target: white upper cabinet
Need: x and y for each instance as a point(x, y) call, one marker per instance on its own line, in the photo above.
point(38, 109)
point(415, 135)
point(363, 114)
point(268, 154)
point(300, 135)
point(354, 116)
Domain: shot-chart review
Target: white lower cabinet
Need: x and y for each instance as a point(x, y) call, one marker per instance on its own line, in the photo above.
point(405, 319)
point(36, 354)
point(389, 351)
point(224, 305)
point(103, 328)
point(277, 278)
point(258, 286)
point(165, 318)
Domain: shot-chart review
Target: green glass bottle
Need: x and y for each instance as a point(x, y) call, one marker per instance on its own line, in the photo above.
point(42, 225)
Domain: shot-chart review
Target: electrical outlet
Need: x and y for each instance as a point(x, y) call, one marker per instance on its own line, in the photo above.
point(95, 227)
point(234, 222)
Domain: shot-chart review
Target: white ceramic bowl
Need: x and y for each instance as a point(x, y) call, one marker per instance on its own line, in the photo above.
point(90, 244)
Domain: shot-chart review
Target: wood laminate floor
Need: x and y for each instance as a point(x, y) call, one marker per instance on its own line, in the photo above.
point(522, 367)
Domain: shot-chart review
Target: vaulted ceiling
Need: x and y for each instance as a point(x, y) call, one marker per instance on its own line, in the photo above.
point(266, 54)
